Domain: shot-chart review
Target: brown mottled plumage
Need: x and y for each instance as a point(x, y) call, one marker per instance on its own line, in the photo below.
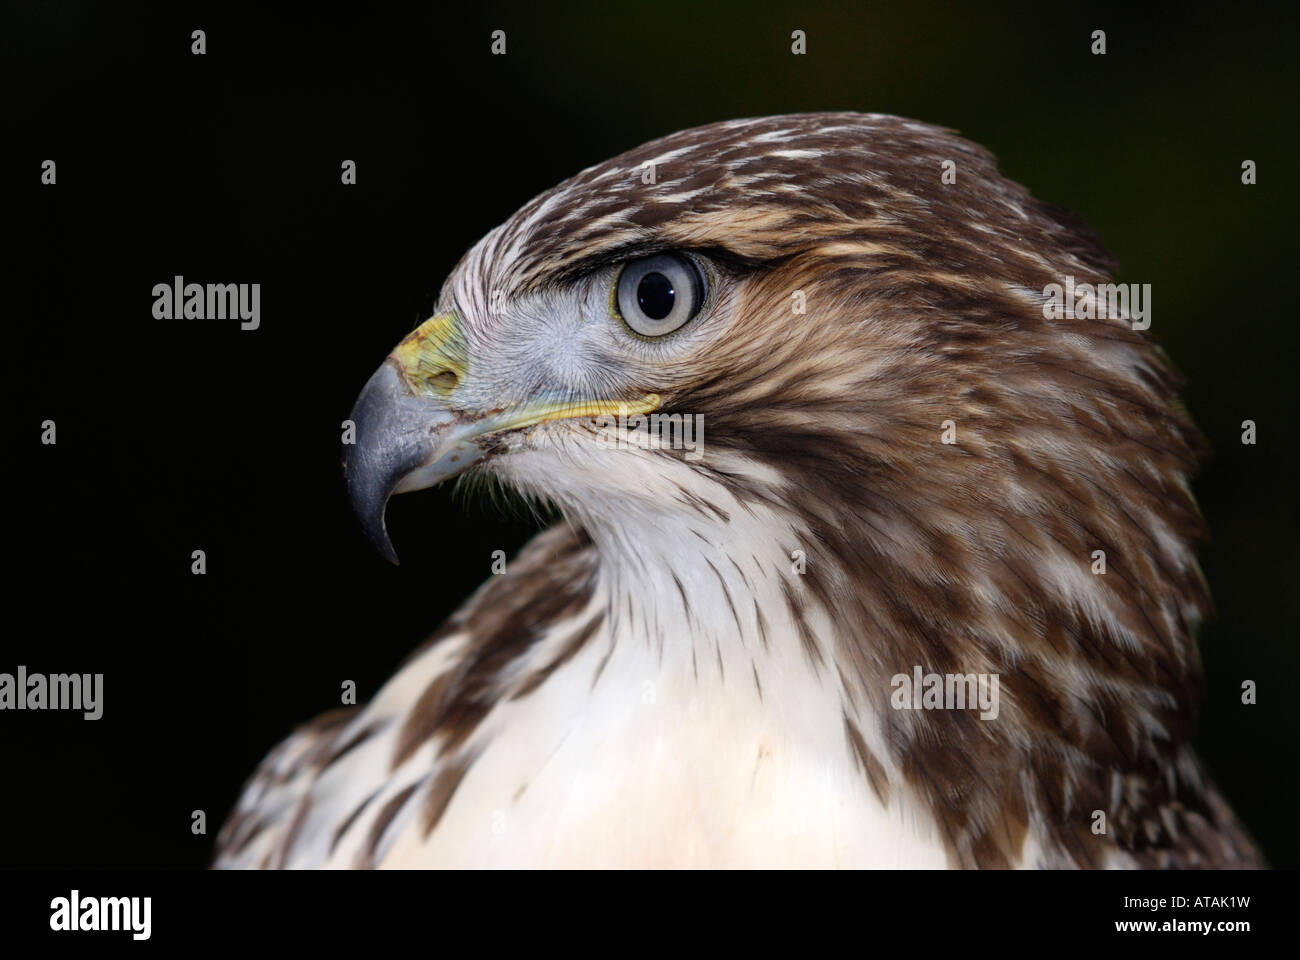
point(924, 306)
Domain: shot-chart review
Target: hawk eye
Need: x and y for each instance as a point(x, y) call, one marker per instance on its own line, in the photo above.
point(658, 294)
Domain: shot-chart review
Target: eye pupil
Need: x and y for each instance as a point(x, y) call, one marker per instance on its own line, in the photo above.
point(655, 295)
point(658, 294)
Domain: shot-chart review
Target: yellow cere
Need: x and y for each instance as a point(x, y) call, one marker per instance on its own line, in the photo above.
point(433, 357)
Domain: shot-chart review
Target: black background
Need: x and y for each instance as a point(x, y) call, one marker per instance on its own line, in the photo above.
point(183, 435)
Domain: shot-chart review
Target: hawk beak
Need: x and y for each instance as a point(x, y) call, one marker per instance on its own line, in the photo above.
point(402, 442)
point(409, 434)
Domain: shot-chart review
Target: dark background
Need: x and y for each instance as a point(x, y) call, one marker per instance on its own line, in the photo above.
point(177, 435)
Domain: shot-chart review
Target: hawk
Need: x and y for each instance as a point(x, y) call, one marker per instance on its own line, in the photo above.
point(906, 466)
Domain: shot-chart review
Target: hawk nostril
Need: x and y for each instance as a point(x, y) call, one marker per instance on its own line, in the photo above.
point(444, 381)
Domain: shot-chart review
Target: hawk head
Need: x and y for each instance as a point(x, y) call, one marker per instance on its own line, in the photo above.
point(897, 444)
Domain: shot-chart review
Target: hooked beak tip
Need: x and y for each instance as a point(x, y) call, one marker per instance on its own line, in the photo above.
point(370, 504)
point(377, 532)
point(382, 452)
